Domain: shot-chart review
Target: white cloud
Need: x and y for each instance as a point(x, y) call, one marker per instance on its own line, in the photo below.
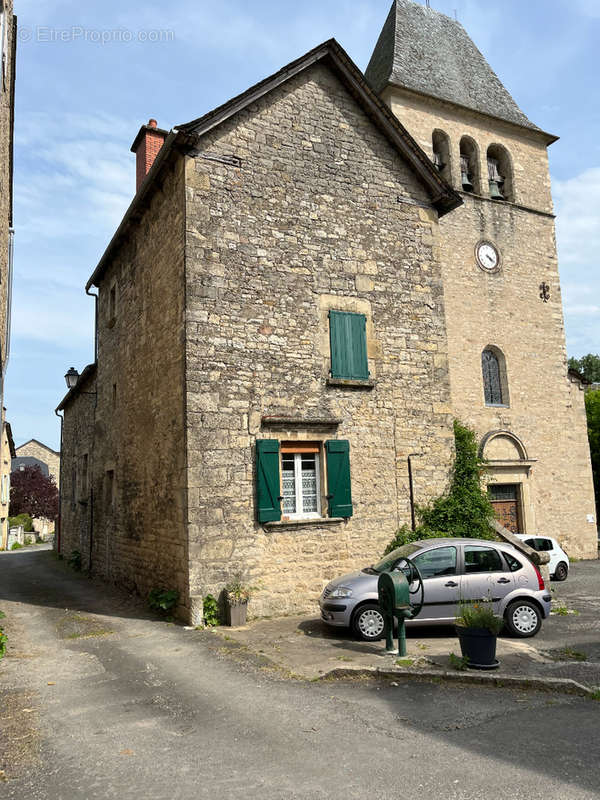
point(578, 239)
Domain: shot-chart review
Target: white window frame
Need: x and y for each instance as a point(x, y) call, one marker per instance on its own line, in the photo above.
point(298, 483)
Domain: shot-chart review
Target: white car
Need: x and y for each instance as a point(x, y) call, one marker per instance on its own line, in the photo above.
point(559, 560)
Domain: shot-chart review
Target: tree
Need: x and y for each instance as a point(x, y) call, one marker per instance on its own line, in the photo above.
point(588, 366)
point(592, 410)
point(32, 492)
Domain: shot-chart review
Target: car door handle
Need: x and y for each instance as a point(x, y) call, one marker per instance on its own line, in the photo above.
point(451, 583)
point(503, 580)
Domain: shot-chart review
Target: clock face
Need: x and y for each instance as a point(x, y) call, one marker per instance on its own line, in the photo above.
point(488, 256)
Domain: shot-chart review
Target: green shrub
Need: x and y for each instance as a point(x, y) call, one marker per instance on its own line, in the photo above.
point(21, 519)
point(74, 560)
point(163, 600)
point(464, 510)
point(16, 546)
point(3, 641)
point(479, 614)
point(210, 611)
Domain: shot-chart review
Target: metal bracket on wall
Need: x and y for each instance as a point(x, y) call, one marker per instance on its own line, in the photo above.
point(544, 292)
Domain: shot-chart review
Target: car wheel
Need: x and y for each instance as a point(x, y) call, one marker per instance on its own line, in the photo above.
point(561, 572)
point(523, 618)
point(368, 623)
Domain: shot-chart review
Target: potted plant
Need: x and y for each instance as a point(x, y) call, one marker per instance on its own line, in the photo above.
point(477, 628)
point(236, 598)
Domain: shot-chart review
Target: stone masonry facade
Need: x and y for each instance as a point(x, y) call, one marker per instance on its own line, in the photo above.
point(256, 227)
point(39, 451)
point(503, 308)
point(310, 222)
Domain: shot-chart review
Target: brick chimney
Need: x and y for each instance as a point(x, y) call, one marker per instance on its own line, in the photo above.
point(146, 145)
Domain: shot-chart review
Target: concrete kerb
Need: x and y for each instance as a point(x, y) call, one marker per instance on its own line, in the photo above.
point(560, 685)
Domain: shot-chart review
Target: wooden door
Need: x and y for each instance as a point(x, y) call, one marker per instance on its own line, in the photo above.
point(506, 503)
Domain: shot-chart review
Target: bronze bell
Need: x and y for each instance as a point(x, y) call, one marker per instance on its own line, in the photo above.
point(437, 162)
point(465, 178)
point(495, 192)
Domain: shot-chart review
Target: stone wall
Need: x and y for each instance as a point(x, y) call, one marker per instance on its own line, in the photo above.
point(76, 498)
point(309, 222)
point(6, 163)
point(504, 309)
point(139, 458)
point(35, 449)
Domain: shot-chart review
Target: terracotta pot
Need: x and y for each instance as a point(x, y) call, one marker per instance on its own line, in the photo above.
point(237, 614)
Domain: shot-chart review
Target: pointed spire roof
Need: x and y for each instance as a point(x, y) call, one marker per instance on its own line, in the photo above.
point(427, 52)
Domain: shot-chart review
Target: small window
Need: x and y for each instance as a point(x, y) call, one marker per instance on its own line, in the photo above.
point(499, 173)
point(513, 563)
point(469, 165)
point(482, 559)
point(440, 145)
point(114, 395)
point(289, 484)
point(438, 562)
point(495, 385)
point(109, 490)
point(300, 477)
point(348, 342)
point(112, 305)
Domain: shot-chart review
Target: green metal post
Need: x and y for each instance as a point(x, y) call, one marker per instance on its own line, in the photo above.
point(401, 636)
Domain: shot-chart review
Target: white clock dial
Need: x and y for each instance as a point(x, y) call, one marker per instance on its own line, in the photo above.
point(487, 256)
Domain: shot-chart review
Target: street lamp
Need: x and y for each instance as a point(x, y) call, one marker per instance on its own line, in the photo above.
point(71, 378)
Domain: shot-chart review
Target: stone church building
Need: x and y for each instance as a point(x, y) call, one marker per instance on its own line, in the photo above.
point(311, 282)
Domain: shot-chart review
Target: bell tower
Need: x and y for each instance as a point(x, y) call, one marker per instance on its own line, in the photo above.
point(506, 342)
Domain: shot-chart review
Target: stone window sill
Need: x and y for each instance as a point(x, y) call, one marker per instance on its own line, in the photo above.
point(351, 384)
point(302, 523)
point(497, 405)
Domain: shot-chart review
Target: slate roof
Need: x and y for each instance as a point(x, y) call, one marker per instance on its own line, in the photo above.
point(426, 51)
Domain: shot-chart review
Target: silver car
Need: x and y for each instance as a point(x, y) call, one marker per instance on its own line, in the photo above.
point(453, 571)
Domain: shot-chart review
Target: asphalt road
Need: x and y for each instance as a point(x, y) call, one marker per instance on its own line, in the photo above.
point(101, 700)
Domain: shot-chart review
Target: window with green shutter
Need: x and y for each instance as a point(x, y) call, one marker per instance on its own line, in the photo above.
point(268, 497)
point(339, 492)
point(348, 342)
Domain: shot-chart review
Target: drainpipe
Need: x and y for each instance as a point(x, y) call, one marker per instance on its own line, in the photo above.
point(411, 491)
point(95, 296)
point(91, 454)
point(60, 479)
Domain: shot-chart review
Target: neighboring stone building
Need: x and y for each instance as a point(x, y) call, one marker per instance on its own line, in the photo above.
point(506, 339)
point(36, 454)
point(8, 44)
point(278, 325)
point(7, 449)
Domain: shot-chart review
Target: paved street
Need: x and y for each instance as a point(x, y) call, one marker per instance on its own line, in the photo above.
point(101, 700)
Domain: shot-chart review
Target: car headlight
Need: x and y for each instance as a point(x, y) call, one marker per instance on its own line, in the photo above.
point(341, 591)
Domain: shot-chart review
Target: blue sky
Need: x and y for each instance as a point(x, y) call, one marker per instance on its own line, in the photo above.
point(89, 74)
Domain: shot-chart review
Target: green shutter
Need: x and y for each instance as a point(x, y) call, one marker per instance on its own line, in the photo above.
point(339, 493)
point(267, 480)
point(348, 341)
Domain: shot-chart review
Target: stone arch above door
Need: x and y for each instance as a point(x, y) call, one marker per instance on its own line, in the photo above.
point(503, 446)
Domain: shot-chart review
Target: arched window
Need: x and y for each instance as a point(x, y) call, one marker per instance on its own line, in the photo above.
point(441, 154)
point(469, 165)
point(500, 174)
point(495, 383)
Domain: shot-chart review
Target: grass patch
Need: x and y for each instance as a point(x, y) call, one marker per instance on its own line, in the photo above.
point(405, 662)
point(572, 655)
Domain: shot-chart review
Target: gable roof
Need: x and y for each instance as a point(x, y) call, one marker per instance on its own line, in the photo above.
point(443, 197)
point(41, 444)
point(427, 52)
point(184, 137)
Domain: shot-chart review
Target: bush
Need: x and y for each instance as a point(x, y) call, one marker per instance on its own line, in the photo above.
point(464, 510)
point(163, 600)
point(74, 560)
point(16, 546)
point(24, 520)
point(210, 611)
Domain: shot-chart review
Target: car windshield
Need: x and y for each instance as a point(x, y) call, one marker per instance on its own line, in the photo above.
point(388, 562)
